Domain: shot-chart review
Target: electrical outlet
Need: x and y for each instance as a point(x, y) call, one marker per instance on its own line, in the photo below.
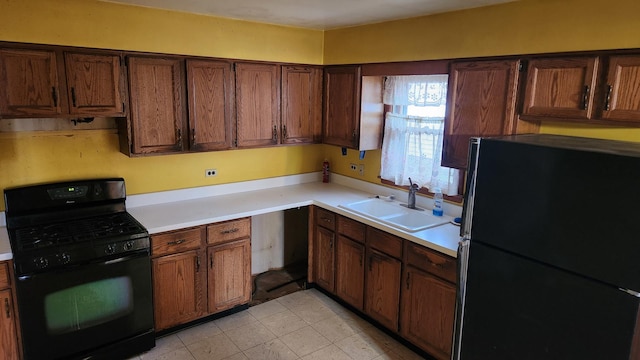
point(353, 167)
point(361, 169)
point(210, 172)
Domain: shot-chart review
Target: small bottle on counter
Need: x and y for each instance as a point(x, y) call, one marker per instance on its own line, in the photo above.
point(437, 202)
point(325, 171)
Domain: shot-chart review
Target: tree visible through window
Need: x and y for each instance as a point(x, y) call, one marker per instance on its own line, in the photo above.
point(414, 132)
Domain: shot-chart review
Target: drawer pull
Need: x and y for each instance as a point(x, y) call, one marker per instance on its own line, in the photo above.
point(230, 231)
point(327, 220)
point(438, 265)
point(176, 242)
point(7, 310)
point(197, 263)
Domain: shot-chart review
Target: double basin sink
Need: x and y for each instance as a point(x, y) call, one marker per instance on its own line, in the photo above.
point(395, 214)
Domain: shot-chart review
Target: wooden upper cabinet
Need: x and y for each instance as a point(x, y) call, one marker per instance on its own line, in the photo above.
point(158, 114)
point(301, 105)
point(29, 83)
point(481, 102)
point(341, 120)
point(257, 104)
point(210, 93)
point(622, 89)
point(561, 87)
point(94, 84)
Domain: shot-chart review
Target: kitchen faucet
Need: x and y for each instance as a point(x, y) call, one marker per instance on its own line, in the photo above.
point(411, 202)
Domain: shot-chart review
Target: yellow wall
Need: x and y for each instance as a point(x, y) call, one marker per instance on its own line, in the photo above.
point(525, 26)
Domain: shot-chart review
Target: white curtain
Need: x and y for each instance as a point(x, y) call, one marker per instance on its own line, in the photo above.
point(412, 145)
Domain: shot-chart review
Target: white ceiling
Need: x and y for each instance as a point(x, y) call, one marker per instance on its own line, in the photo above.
point(314, 14)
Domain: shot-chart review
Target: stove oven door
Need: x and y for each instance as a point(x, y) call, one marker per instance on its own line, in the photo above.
point(98, 310)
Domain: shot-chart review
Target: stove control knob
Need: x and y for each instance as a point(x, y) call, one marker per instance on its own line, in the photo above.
point(128, 245)
point(110, 249)
point(41, 262)
point(64, 258)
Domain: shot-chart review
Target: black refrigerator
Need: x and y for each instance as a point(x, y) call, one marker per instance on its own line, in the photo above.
point(549, 262)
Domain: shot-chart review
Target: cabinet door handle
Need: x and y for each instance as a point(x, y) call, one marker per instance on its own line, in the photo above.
point(179, 138)
point(408, 279)
point(7, 309)
point(176, 242)
point(607, 100)
point(585, 97)
point(230, 231)
point(54, 96)
point(73, 96)
point(353, 134)
point(193, 136)
point(211, 261)
point(284, 132)
point(275, 134)
point(361, 258)
point(197, 263)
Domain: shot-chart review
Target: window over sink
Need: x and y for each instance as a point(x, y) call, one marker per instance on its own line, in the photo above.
point(414, 131)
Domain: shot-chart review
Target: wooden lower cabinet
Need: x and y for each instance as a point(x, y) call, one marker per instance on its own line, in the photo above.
point(406, 287)
point(428, 307)
point(382, 292)
point(229, 275)
point(200, 271)
point(9, 348)
point(350, 271)
point(178, 289)
point(324, 261)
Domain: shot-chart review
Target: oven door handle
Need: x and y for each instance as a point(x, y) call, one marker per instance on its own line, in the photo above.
point(127, 257)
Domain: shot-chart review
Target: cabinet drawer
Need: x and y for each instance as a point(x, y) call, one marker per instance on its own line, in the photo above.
point(431, 261)
point(229, 230)
point(382, 241)
point(5, 281)
point(352, 229)
point(326, 219)
point(176, 241)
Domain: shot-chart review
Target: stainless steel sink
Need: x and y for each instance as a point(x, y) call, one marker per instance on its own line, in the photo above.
point(394, 214)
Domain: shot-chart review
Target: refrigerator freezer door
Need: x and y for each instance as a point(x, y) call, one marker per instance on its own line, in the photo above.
point(520, 309)
point(571, 208)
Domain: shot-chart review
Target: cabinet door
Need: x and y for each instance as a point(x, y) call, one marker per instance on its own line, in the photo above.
point(324, 261)
point(350, 271)
point(622, 95)
point(382, 293)
point(178, 282)
point(560, 87)
point(8, 333)
point(341, 119)
point(158, 115)
point(428, 307)
point(29, 83)
point(481, 102)
point(210, 93)
point(301, 105)
point(229, 275)
point(257, 104)
point(94, 84)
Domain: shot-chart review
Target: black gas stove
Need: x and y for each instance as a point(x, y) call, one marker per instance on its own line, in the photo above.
point(70, 223)
point(83, 271)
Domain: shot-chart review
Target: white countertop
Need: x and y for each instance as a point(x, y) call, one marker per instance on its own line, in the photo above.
point(160, 212)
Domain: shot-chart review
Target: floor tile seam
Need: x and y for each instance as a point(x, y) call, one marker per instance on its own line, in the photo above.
point(266, 328)
point(283, 343)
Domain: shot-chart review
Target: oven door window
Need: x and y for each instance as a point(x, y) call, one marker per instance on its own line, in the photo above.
point(72, 311)
point(88, 305)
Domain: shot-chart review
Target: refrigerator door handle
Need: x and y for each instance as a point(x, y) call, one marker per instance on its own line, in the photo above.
point(463, 258)
point(630, 292)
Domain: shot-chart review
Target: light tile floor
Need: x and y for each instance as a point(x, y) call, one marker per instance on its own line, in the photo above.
point(305, 325)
